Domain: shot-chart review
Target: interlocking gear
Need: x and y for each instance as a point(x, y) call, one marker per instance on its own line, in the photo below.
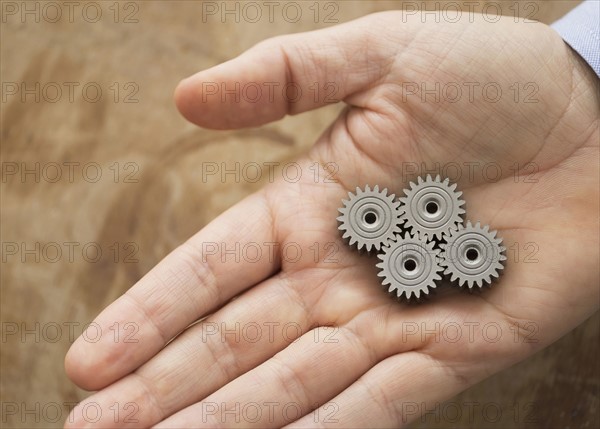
point(432, 208)
point(370, 218)
point(421, 237)
point(410, 266)
point(473, 255)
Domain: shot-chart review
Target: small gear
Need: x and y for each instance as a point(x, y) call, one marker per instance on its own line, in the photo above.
point(432, 208)
point(370, 218)
point(473, 255)
point(410, 266)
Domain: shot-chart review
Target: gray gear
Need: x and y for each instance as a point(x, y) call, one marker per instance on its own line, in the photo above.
point(410, 266)
point(432, 208)
point(473, 255)
point(370, 218)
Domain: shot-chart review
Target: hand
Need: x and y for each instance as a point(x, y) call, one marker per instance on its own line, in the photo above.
point(373, 367)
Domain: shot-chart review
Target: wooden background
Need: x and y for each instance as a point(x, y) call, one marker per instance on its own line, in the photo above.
point(151, 197)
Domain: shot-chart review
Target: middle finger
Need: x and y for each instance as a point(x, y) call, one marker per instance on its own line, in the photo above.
point(208, 355)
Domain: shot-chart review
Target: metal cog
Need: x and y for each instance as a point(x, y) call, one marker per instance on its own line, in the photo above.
point(432, 208)
point(410, 266)
point(370, 218)
point(473, 255)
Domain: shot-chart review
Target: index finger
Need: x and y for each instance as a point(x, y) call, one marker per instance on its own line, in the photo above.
point(196, 278)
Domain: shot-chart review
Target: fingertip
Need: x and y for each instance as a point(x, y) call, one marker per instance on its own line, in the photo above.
point(71, 364)
point(214, 101)
point(184, 98)
point(83, 369)
point(197, 104)
point(72, 422)
point(74, 368)
point(245, 91)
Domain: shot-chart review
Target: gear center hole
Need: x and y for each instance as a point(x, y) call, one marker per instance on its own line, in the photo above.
point(370, 218)
point(432, 207)
point(472, 254)
point(410, 265)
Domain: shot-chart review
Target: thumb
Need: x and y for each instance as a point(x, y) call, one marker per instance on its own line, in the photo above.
point(285, 75)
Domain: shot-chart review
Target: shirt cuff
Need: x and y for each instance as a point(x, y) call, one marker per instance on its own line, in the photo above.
point(580, 28)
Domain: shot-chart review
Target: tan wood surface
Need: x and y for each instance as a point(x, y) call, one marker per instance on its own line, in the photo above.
point(158, 198)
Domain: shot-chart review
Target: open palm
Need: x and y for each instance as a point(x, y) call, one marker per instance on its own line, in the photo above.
point(311, 339)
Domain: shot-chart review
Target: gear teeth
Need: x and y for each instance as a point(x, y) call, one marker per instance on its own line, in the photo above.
point(432, 207)
point(435, 240)
point(472, 255)
point(414, 280)
point(370, 218)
